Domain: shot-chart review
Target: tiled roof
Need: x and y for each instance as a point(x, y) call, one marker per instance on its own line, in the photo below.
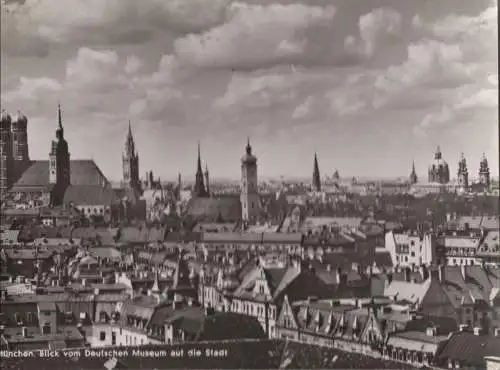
point(407, 291)
point(82, 172)
point(183, 237)
point(469, 348)
point(224, 209)
point(106, 252)
point(232, 238)
point(90, 195)
point(16, 254)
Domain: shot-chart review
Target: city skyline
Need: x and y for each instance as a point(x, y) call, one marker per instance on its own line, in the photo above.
point(369, 89)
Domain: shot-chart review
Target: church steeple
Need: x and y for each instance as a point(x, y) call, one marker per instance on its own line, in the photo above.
point(130, 161)
point(484, 172)
point(199, 186)
point(413, 175)
point(316, 176)
point(463, 172)
point(59, 163)
point(438, 154)
point(207, 180)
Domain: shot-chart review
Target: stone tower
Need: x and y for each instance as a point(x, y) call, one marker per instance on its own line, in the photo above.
point(484, 172)
point(6, 158)
point(463, 172)
point(59, 163)
point(130, 161)
point(207, 181)
point(199, 186)
point(20, 150)
point(413, 174)
point(316, 181)
point(249, 186)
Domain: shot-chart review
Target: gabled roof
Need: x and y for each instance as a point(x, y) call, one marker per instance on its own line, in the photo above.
point(225, 209)
point(82, 172)
point(90, 195)
point(469, 349)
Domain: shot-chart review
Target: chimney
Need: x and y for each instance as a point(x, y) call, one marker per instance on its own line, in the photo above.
point(339, 275)
point(441, 273)
point(477, 331)
point(25, 332)
point(431, 331)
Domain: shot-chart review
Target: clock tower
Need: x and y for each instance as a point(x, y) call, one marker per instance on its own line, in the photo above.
point(249, 186)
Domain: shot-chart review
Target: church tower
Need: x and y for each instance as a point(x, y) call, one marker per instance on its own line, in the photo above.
point(6, 158)
point(199, 185)
point(207, 180)
point(463, 172)
point(59, 162)
point(413, 174)
point(249, 186)
point(316, 181)
point(20, 139)
point(130, 161)
point(484, 172)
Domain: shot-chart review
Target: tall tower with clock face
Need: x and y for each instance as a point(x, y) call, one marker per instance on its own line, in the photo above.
point(59, 162)
point(249, 186)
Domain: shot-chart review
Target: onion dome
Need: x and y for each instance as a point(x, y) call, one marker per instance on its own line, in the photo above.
point(248, 158)
point(20, 122)
point(5, 119)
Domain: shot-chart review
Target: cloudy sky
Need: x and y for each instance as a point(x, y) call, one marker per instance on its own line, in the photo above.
point(369, 84)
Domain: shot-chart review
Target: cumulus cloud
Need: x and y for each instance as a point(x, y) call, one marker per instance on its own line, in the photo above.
point(32, 27)
point(133, 64)
point(254, 36)
point(376, 29)
point(29, 90)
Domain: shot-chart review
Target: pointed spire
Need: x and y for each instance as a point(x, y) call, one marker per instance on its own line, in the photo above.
point(316, 175)
point(199, 187)
point(248, 147)
point(59, 115)
point(156, 286)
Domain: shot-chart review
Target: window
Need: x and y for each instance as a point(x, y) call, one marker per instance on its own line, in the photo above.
point(102, 336)
point(46, 328)
point(413, 254)
point(113, 338)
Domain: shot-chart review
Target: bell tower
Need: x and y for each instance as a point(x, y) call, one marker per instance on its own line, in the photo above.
point(484, 172)
point(130, 161)
point(249, 186)
point(463, 172)
point(316, 181)
point(59, 162)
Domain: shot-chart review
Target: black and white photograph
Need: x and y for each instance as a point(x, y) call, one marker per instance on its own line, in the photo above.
point(249, 184)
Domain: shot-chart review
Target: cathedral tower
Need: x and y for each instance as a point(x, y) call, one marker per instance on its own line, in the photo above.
point(316, 181)
point(199, 186)
point(484, 172)
point(20, 138)
point(249, 186)
point(463, 172)
point(130, 161)
point(207, 181)
point(6, 158)
point(413, 174)
point(59, 162)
